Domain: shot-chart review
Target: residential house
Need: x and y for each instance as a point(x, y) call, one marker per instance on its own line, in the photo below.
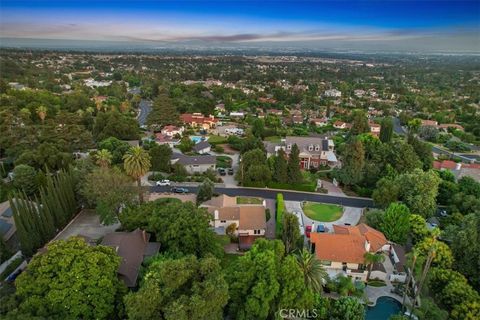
point(343, 251)
point(445, 126)
point(374, 128)
point(237, 115)
point(314, 151)
point(164, 139)
point(197, 120)
point(429, 123)
point(195, 164)
point(250, 219)
point(132, 247)
point(319, 122)
point(341, 125)
point(267, 100)
point(275, 112)
point(459, 169)
point(202, 147)
point(172, 131)
point(332, 93)
point(297, 119)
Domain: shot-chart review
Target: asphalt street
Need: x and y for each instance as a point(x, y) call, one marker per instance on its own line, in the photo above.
point(287, 195)
point(145, 108)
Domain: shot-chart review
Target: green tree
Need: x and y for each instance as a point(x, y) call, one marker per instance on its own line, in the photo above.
point(423, 151)
point(25, 179)
point(280, 173)
point(179, 227)
point(137, 164)
point(418, 228)
point(115, 124)
point(396, 223)
point(258, 128)
point(347, 308)
point(374, 218)
point(186, 144)
point(205, 191)
point(71, 280)
point(314, 275)
point(386, 130)
point(353, 162)
point(160, 155)
point(104, 158)
point(290, 232)
point(443, 256)
point(117, 148)
point(107, 190)
point(371, 258)
point(293, 166)
point(183, 289)
point(163, 111)
point(418, 190)
point(359, 123)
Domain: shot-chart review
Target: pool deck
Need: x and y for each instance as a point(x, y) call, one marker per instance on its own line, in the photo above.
point(373, 293)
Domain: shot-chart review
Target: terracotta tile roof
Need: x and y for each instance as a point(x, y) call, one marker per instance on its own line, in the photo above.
point(445, 164)
point(197, 118)
point(339, 247)
point(376, 238)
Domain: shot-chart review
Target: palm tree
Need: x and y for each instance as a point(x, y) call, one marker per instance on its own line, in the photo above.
point(137, 163)
point(371, 258)
point(104, 158)
point(314, 274)
point(42, 112)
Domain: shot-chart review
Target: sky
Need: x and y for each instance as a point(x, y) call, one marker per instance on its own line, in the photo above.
point(421, 24)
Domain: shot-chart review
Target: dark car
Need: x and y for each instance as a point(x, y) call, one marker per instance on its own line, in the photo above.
point(230, 171)
point(321, 228)
point(179, 190)
point(308, 230)
point(222, 171)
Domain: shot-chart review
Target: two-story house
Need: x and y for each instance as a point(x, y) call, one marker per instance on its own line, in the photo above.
point(314, 151)
point(198, 120)
point(249, 219)
point(343, 251)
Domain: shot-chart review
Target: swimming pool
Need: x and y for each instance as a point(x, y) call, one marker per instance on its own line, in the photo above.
point(197, 139)
point(384, 308)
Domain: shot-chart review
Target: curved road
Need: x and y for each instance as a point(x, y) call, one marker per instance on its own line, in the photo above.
point(287, 195)
point(145, 108)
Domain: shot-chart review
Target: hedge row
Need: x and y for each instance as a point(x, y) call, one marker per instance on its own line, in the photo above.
point(279, 214)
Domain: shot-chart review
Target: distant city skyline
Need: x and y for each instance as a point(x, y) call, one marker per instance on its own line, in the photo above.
point(409, 25)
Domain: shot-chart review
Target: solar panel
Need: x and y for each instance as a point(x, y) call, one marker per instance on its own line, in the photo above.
point(8, 212)
point(4, 227)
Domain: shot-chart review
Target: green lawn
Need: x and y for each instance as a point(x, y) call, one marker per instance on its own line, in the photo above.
point(249, 200)
point(273, 139)
point(216, 140)
point(322, 212)
point(376, 283)
point(224, 162)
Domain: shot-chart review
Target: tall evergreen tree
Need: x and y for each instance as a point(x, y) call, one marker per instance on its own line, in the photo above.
point(359, 123)
point(353, 162)
point(280, 167)
point(163, 111)
point(386, 130)
point(293, 166)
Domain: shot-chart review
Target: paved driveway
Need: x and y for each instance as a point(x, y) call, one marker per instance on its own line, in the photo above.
point(86, 223)
point(350, 215)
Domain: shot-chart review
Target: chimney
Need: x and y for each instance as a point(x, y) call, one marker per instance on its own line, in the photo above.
point(313, 227)
point(215, 214)
point(458, 166)
point(144, 235)
point(367, 246)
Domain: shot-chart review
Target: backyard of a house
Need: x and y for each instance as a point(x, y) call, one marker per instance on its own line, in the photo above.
point(322, 212)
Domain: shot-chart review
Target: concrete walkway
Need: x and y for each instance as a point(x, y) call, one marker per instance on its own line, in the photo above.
point(350, 215)
point(332, 189)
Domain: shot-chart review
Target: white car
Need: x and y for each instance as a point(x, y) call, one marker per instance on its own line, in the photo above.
point(162, 183)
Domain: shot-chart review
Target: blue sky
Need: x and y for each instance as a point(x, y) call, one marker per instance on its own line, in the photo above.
point(243, 21)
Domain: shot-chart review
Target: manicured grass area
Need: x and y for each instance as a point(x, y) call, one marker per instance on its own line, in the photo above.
point(376, 283)
point(273, 139)
point(216, 140)
point(249, 200)
point(322, 212)
point(224, 162)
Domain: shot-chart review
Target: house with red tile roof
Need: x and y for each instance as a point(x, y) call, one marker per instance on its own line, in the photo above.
point(343, 251)
point(198, 120)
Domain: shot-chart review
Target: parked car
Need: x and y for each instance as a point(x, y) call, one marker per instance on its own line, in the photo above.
point(222, 171)
point(321, 228)
point(163, 183)
point(230, 171)
point(179, 190)
point(308, 230)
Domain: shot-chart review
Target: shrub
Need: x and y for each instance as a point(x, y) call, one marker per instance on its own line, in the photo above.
point(280, 210)
point(156, 176)
point(218, 148)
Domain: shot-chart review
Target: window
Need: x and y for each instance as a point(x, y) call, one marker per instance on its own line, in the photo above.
point(195, 165)
point(223, 221)
point(289, 147)
point(256, 231)
point(310, 148)
point(317, 148)
point(326, 263)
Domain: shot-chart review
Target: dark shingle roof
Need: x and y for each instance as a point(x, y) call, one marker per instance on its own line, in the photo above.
point(201, 145)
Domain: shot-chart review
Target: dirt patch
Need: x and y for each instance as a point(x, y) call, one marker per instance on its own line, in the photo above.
point(227, 149)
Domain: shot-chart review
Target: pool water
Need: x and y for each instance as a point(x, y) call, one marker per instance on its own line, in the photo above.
point(197, 139)
point(384, 308)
